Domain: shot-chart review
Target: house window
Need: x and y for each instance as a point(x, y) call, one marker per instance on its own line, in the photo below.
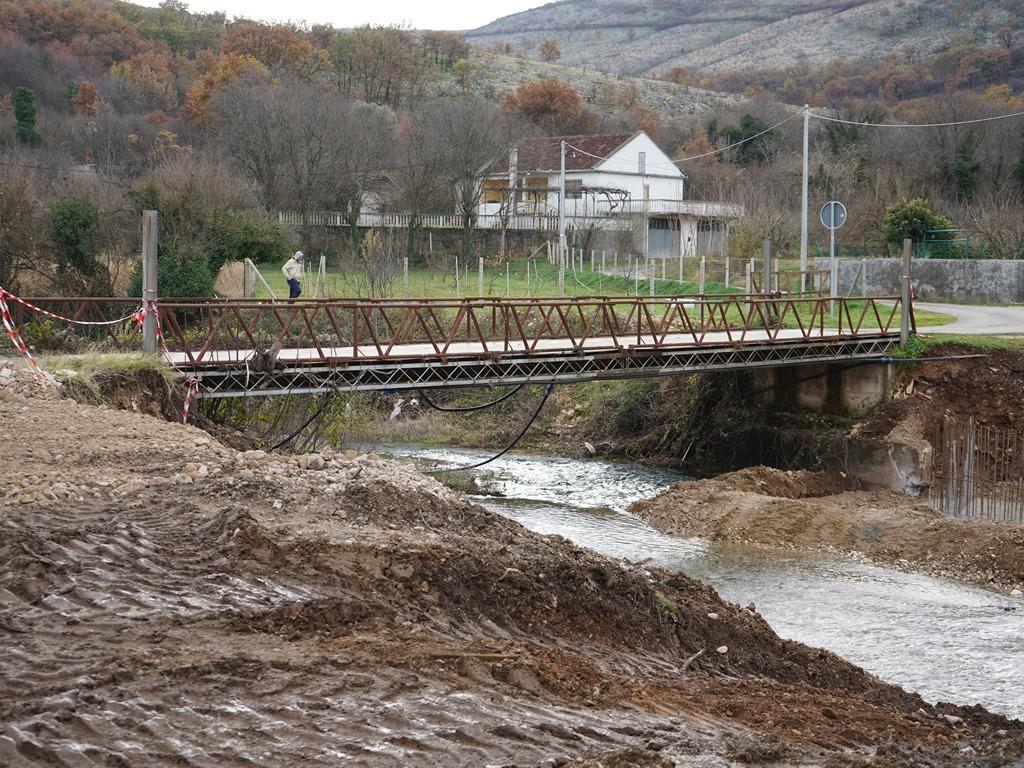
point(573, 189)
point(641, 163)
point(537, 191)
point(647, 191)
point(494, 191)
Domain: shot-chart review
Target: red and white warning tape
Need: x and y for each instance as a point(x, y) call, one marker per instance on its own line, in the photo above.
point(19, 344)
point(39, 310)
point(149, 307)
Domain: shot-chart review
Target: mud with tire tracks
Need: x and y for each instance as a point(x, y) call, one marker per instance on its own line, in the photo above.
point(166, 600)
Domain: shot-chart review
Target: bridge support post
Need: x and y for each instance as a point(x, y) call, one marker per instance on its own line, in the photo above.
point(701, 274)
point(149, 286)
point(767, 249)
point(905, 302)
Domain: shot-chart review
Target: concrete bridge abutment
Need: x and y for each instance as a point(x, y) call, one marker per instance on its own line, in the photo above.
point(848, 389)
point(899, 463)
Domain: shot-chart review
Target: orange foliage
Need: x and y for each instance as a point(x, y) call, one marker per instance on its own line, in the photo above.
point(276, 46)
point(230, 67)
point(150, 76)
point(551, 104)
point(87, 100)
point(698, 144)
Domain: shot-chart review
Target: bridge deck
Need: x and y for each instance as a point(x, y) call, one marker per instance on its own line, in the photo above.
point(264, 347)
point(233, 373)
point(425, 352)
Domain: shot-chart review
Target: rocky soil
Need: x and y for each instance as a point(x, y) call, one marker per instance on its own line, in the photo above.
point(167, 600)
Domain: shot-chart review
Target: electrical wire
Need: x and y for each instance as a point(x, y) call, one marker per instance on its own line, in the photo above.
point(310, 420)
point(916, 125)
point(704, 154)
point(509, 447)
point(469, 408)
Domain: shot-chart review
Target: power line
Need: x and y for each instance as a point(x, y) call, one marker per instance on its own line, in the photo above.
point(742, 141)
point(916, 125)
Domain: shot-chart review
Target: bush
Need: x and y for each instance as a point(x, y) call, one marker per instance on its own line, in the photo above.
point(911, 219)
point(177, 278)
point(235, 236)
point(73, 228)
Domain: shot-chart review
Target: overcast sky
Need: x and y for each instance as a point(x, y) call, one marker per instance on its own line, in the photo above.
point(421, 14)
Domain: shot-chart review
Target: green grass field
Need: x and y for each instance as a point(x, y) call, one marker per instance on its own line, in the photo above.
point(541, 282)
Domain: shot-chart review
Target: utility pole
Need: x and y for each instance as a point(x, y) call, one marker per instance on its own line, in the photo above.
point(149, 287)
point(561, 225)
point(803, 205)
point(905, 299)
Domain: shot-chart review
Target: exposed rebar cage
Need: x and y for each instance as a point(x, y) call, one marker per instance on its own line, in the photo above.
point(977, 471)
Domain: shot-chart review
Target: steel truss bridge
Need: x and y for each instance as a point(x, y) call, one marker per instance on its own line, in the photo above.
point(265, 347)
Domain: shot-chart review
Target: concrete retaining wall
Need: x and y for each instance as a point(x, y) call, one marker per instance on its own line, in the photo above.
point(991, 281)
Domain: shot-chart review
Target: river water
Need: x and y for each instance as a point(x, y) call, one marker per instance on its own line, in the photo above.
point(946, 641)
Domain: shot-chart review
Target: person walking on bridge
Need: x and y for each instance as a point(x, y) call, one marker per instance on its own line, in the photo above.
point(292, 271)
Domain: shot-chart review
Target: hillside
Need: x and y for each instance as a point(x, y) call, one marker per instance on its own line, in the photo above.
point(495, 75)
point(651, 37)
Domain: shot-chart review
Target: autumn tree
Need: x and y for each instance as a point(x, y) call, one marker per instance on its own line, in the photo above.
point(554, 106)
point(146, 80)
point(86, 101)
point(278, 47)
point(229, 68)
point(549, 50)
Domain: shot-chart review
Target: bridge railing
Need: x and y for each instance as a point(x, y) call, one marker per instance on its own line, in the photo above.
point(213, 332)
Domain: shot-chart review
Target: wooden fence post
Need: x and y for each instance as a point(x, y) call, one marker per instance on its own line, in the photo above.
point(149, 280)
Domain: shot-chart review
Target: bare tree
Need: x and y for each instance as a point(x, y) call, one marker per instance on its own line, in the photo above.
point(377, 265)
point(364, 153)
point(470, 135)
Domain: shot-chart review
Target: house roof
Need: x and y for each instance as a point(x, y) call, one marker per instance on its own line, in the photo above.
point(583, 153)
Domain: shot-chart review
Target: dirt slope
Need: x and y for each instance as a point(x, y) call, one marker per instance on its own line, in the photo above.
point(165, 600)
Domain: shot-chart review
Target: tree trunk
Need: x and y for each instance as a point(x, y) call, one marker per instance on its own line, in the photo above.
point(410, 237)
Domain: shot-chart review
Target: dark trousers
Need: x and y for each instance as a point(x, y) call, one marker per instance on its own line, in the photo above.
point(294, 289)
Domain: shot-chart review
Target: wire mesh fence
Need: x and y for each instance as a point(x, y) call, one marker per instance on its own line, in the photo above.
point(978, 471)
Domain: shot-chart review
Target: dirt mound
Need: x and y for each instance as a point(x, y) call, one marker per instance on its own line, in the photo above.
point(781, 484)
point(989, 388)
point(812, 512)
point(176, 600)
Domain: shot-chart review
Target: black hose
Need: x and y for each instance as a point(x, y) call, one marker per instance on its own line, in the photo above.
point(509, 447)
point(468, 408)
point(305, 424)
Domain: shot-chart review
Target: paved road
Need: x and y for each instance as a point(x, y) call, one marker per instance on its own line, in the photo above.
point(975, 320)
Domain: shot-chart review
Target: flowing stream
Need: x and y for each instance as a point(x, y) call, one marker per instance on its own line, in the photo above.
point(946, 641)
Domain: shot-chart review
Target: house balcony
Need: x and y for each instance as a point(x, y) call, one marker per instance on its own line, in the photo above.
point(697, 208)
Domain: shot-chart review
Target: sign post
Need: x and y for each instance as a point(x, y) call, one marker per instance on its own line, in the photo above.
point(833, 216)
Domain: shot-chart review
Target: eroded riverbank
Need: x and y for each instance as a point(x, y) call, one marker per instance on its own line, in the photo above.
point(166, 598)
point(941, 639)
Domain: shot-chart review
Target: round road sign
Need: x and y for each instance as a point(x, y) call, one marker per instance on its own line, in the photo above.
point(833, 215)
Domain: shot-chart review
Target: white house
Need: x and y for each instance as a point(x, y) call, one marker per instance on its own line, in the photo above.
point(612, 181)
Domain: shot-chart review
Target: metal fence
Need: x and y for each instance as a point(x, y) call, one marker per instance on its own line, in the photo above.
point(978, 471)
